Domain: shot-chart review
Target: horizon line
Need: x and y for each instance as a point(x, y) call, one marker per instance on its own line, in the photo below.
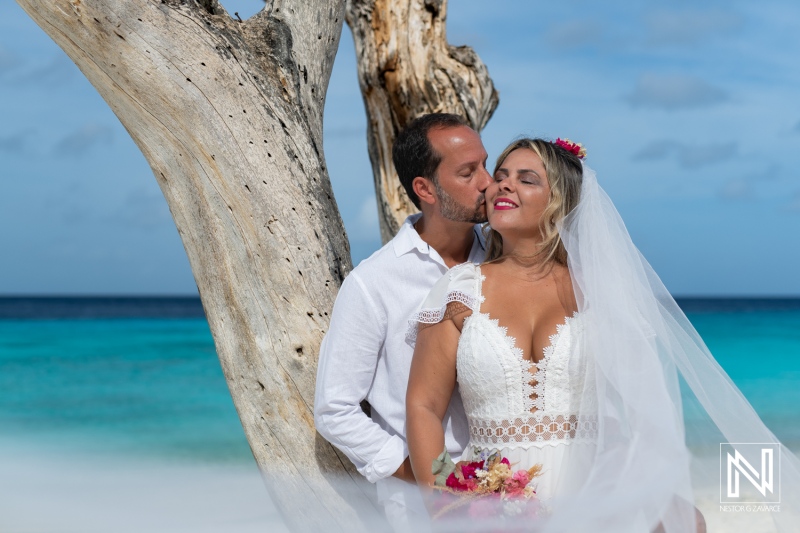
point(197, 296)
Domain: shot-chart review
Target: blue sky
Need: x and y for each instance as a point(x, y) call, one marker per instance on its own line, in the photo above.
point(688, 109)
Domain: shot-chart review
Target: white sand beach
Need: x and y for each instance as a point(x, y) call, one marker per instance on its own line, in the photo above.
point(41, 492)
point(46, 492)
point(718, 520)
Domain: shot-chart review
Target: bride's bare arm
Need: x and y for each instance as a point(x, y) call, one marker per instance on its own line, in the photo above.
point(430, 385)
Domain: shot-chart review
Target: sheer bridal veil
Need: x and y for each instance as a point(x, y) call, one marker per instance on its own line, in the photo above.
point(665, 409)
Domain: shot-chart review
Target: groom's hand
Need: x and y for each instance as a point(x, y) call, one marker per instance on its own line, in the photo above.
point(404, 472)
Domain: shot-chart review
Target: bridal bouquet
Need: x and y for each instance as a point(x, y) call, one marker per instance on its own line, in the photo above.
point(487, 488)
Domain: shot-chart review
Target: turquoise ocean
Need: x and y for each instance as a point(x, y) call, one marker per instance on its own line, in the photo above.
point(138, 378)
point(125, 376)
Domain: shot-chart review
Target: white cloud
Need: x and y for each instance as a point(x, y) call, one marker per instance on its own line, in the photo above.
point(82, 140)
point(692, 156)
point(14, 144)
point(687, 155)
point(689, 27)
point(745, 188)
point(656, 150)
point(575, 34)
point(674, 91)
point(51, 75)
point(344, 133)
point(143, 209)
point(767, 172)
point(794, 204)
point(7, 60)
point(365, 226)
point(737, 189)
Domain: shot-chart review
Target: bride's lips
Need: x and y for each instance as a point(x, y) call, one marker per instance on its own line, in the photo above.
point(502, 204)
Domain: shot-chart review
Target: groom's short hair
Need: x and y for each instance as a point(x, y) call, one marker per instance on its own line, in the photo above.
point(412, 152)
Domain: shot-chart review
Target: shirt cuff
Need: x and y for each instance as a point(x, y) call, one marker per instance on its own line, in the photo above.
point(387, 460)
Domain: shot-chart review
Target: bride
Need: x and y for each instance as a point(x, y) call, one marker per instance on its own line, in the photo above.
point(569, 353)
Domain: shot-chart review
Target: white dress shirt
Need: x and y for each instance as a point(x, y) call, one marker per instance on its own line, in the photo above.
point(365, 356)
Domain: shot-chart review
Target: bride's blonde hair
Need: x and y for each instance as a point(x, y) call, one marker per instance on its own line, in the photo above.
point(565, 176)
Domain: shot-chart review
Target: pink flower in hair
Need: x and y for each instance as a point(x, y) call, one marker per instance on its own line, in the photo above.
point(571, 147)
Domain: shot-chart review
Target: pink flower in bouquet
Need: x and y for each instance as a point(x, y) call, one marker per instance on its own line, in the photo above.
point(488, 488)
point(464, 477)
point(516, 485)
point(468, 469)
point(456, 484)
point(521, 477)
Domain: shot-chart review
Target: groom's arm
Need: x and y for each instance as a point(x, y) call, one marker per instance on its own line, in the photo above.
point(347, 362)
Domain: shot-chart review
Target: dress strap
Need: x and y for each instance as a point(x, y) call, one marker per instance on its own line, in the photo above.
point(479, 279)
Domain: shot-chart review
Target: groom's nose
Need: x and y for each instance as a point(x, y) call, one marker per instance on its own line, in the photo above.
point(485, 179)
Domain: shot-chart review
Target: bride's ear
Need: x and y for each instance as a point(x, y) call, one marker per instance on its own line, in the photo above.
point(425, 190)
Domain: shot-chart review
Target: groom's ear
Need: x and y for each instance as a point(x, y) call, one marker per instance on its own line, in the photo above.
point(424, 189)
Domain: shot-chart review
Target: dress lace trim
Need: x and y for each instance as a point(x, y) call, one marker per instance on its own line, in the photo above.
point(533, 393)
point(453, 309)
point(527, 367)
point(434, 315)
point(541, 373)
point(539, 428)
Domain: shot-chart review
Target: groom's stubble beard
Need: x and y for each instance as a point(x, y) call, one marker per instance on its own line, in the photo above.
point(452, 210)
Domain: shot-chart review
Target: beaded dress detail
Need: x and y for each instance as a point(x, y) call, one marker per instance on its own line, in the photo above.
point(527, 411)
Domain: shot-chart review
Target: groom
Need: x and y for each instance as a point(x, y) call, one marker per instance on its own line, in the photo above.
point(441, 163)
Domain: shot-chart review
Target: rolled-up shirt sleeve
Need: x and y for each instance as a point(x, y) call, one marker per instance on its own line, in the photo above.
point(347, 362)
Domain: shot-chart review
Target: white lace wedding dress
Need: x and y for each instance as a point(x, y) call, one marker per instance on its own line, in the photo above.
point(605, 415)
point(526, 411)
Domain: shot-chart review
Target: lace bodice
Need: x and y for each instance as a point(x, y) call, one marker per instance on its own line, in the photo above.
point(511, 401)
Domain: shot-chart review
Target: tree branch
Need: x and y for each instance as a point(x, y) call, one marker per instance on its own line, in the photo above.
point(407, 69)
point(229, 116)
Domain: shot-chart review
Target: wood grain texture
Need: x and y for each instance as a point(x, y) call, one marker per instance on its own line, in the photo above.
point(229, 117)
point(406, 69)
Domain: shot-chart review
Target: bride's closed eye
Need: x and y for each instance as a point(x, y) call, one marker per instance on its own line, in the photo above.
point(529, 177)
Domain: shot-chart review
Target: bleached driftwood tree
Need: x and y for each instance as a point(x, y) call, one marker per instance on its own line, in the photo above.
point(406, 69)
point(228, 113)
point(229, 117)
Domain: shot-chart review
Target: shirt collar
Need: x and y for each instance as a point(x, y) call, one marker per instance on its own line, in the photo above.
point(408, 239)
point(480, 237)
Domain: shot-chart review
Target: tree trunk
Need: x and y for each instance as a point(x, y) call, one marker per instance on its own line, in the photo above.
point(229, 116)
point(407, 69)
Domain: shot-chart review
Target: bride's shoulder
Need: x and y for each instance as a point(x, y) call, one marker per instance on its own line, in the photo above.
point(464, 270)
